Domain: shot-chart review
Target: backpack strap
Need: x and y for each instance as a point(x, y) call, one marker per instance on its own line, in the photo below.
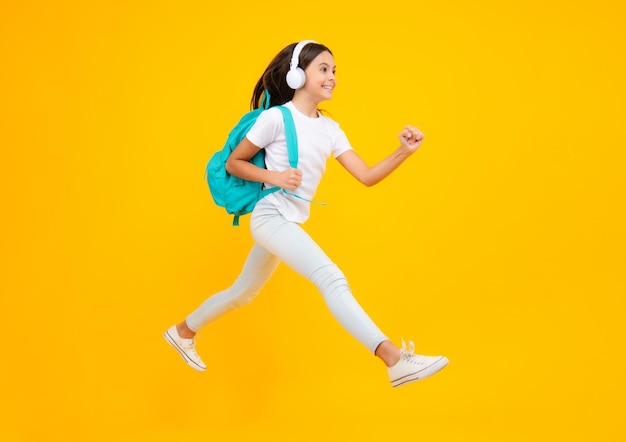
point(265, 103)
point(292, 144)
point(292, 148)
point(291, 136)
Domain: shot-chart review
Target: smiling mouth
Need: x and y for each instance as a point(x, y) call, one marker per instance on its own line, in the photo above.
point(328, 88)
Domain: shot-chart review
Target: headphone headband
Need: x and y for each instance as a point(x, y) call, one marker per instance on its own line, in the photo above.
point(295, 58)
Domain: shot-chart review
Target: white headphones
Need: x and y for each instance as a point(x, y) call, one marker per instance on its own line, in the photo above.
point(296, 76)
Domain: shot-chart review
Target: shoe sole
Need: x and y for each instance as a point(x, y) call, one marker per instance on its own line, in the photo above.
point(421, 374)
point(189, 362)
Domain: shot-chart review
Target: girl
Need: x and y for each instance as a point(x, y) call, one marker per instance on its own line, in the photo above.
point(302, 76)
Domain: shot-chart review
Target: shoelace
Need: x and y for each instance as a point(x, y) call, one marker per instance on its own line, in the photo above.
point(190, 346)
point(408, 354)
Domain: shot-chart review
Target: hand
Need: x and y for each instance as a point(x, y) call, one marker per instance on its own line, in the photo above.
point(411, 138)
point(289, 179)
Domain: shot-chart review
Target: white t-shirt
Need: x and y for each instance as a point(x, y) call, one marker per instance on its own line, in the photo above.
point(318, 139)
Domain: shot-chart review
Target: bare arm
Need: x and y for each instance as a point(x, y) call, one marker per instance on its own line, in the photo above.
point(239, 165)
point(410, 140)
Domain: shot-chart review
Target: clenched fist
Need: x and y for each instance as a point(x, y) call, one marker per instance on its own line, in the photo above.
point(411, 138)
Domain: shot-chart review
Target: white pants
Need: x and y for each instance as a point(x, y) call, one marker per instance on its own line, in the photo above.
point(280, 240)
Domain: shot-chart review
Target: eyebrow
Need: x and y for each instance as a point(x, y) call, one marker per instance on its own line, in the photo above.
point(326, 64)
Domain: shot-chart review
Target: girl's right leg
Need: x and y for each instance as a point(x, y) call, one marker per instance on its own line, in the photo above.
point(258, 268)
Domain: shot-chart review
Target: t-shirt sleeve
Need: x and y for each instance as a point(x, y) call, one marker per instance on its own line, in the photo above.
point(341, 143)
point(266, 128)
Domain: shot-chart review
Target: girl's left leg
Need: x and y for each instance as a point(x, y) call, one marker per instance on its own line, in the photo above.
point(292, 245)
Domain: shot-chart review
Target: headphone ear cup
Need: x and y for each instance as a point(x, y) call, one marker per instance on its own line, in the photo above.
point(296, 78)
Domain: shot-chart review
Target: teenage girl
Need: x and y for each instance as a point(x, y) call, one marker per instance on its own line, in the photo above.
point(300, 77)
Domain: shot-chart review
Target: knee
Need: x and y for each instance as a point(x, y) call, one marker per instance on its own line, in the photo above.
point(329, 279)
point(241, 298)
point(242, 293)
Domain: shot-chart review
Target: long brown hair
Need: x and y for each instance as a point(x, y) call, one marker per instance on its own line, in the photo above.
point(274, 79)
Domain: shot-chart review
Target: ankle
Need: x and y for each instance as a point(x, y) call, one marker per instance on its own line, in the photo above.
point(184, 331)
point(388, 353)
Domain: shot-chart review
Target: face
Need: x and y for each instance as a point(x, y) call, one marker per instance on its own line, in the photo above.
point(320, 77)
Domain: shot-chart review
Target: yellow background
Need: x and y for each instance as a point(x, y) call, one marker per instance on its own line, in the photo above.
point(499, 244)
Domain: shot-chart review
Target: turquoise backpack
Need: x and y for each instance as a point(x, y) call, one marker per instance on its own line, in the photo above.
point(239, 196)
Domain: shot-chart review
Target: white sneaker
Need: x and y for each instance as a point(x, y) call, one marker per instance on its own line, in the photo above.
point(186, 348)
point(412, 367)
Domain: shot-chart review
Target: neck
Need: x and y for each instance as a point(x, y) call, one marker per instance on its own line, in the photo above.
point(305, 105)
